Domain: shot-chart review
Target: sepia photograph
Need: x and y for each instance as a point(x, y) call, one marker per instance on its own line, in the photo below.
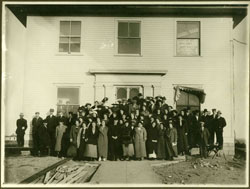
point(125, 93)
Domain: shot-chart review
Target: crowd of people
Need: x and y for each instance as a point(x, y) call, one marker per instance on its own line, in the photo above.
point(137, 128)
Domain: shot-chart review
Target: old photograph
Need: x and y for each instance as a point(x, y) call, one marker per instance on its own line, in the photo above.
point(125, 93)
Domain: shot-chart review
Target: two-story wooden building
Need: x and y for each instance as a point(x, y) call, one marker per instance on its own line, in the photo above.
point(62, 56)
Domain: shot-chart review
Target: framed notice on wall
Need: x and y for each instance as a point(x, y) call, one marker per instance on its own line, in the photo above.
point(187, 47)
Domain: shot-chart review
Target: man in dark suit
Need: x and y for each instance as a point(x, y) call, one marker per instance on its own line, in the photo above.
point(194, 130)
point(212, 126)
point(203, 140)
point(37, 121)
point(220, 124)
point(51, 122)
point(21, 128)
point(61, 118)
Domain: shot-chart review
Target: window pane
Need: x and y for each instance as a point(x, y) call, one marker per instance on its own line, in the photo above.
point(133, 92)
point(129, 46)
point(188, 47)
point(75, 47)
point(75, 28)
point(64, 39)
point(121, 93)
point(67, 96)
point(123, 29)
point(193, 100)
point(64, 28)
point(75, 40)
point(188, 29)
point(134, 29)
point(63, 47)
point(183, 100)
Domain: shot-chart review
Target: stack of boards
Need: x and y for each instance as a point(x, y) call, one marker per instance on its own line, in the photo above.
point(68, 173)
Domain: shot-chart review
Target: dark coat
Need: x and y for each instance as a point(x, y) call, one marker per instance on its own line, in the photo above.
point(161, 148)
point(52, 123)
point(220, 123)
point(61, 118)
point(152, 137)
point(36, 123)
point(73, 134)
point(115, 144)
point(92, 137)
point(204, 136)
point(170, 138)
point(21, 126)
point(43, 135)
point(182, 131)
point(126, 135)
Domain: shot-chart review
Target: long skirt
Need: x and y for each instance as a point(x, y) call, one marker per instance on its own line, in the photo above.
point(128, 150)
point(91, 151)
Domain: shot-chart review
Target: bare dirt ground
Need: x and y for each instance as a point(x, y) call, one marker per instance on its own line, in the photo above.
point(18, 168)
point(207, 171)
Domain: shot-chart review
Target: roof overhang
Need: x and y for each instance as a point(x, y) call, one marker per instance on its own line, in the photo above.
point(237, 11)
point(129, 72)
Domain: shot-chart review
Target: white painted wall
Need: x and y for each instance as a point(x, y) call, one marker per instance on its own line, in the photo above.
point(241, 60)
point(14, 71)
point(46, 68)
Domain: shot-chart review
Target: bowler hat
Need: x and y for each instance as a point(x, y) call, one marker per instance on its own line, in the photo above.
point(51, 110)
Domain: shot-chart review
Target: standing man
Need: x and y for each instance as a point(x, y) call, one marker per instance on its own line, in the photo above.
point(61, 118)
point(220, 124)
point(37, 122)
point(51, 123)
point(21, 128)
point(212, 126)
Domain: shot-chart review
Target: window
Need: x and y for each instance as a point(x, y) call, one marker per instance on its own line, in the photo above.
point(67, 99)
point(188, 99)
point(188, 38)
point(129, 37)
point(70, 36)
point(126, 92)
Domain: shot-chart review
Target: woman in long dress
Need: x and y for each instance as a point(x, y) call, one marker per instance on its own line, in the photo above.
point(171, 141)
point(92, 136)
point(127, 143)
point(152, 137)
point(140, 138)
point(103, 141)
point(182, 135)
point(161, 152)
point(81, 141)
point(60, 130)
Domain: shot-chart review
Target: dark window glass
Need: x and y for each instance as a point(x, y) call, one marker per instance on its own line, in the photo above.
point(129, 46)
point(133, 92)
point(121, 93)
point(68, 96)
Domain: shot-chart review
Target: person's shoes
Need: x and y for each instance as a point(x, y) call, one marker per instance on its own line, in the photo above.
point(99, 159)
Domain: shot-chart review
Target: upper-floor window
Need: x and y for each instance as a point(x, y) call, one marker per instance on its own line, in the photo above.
point(129, 37)
point(70, 36)
point(188, 38)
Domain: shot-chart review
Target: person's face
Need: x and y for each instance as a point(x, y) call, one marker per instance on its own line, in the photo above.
point(37, 115)
point(21, 116)
point(114, 115)
point(157, 121)
point(60, 123)
point(214, 112)
point(115, 122)
point(121, 111)
point(88, 106)
point(94, 114)
point(126, 124)
point(96, 103)
point(161, 125)
point(103, 123)
point(182, 113)
point(61, 114)
point(84, 125)
point(218, 114)
point(123, 116)
point(70, 115)
point(77, 123)
point(83, 113)
point(51, 113)
point(81, 120)
point(166, 111)
point(137, 112)
point(140, 125)
point(143, 108)
point(153, 124)
point(171, 125)
point(105, 116)
point(158, 111)
point(165, 116)
point(93, 124)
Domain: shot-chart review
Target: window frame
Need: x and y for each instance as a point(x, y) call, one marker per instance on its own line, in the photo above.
point(59, 35)
point(130, 20)
point(188, 104)
point(176, 36)
point(127, 87)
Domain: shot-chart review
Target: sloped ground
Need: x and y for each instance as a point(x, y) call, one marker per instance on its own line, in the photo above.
point(20, 167)
point(207, 171)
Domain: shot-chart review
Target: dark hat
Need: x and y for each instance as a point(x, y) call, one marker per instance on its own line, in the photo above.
point(164, 98)
point(174, 111)
point(205, 110)
point(87, 104)
point(219, 112)
point(37, 113)
point(105, 99)
point(213, 109)
point(140, 94)
point(51, 110)
point(188, 108)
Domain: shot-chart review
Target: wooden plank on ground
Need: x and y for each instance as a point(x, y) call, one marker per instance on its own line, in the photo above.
point(43, 172)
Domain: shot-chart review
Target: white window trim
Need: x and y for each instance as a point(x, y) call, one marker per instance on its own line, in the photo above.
point(175, 35)
point(68, 85)
point(127, 86)
point(58, 37)
point(116, 20)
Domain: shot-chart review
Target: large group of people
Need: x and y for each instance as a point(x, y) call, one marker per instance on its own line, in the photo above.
point(137, 128)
